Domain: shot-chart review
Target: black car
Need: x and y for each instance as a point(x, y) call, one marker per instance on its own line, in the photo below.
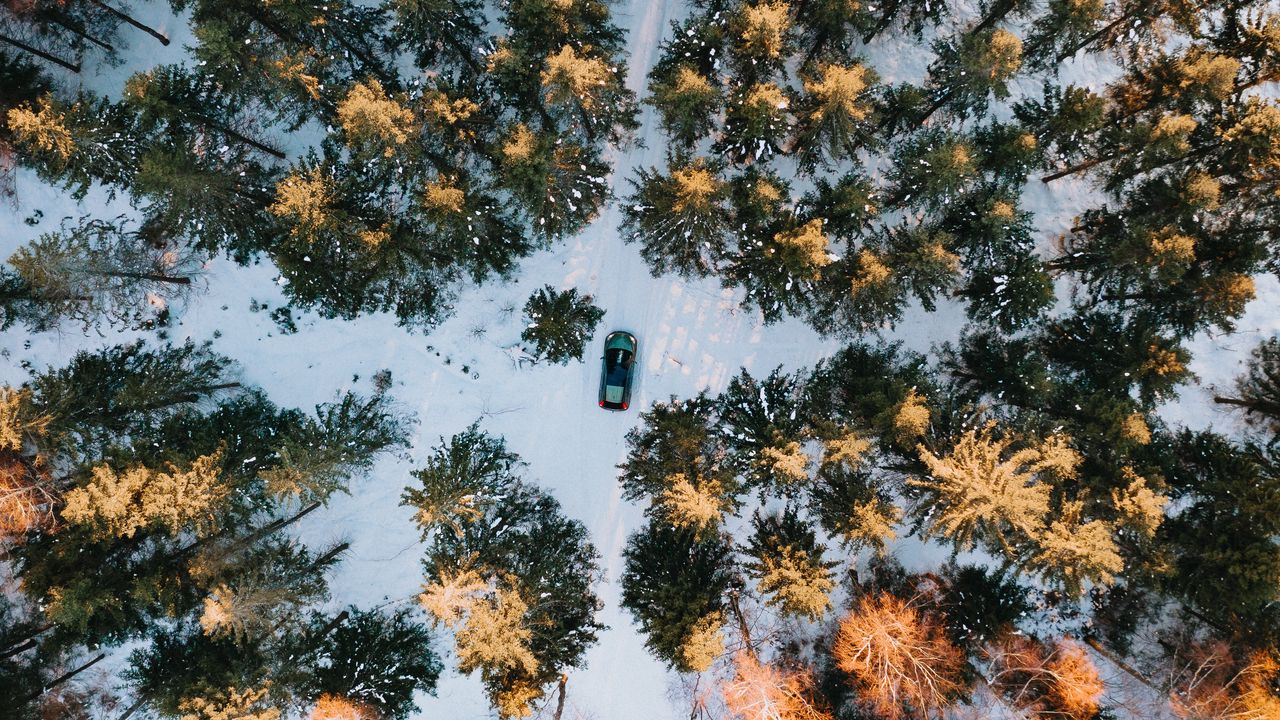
point(615, 376)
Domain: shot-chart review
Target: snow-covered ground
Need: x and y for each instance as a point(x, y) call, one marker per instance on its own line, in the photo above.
point(693, 336)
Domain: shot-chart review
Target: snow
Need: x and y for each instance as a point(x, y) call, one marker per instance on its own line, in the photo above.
point(693, 336)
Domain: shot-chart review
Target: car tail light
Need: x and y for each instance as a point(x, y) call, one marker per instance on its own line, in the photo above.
point(624, 405)
point(601, 403)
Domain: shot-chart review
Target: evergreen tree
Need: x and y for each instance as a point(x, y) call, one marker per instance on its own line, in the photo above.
point(673, 580)
point(374, 658)
point(981, 605)
point(832, 114)
point(787, 563)
point(461, 480)
point(675, 439)
point(559, 324)
point(1223, 542)
point(966, 72)
point(514, 576)
point(76, 144)
point(680, 219)
point(763, 431)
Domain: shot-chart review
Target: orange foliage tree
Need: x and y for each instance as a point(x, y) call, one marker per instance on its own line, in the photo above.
point(760, 691)
point(898, 659)
point(1214, 685)
point(1059, 681)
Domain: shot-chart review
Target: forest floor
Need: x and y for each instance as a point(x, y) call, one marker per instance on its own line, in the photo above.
point(693, 336)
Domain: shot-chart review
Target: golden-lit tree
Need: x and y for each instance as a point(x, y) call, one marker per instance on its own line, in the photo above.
point(118, 503)
point(792, 581)
point(42, 128)
point(762, 691)
point(1071, 552)
point(788, 463)
point(803, 250)
point(335, 707)
point(570, 76)
point(898, 659)
point(369, 118)
point(451, 596)
point(697, 503)
point(762, 29)
point(704, 643)
point(231, 704)
point(985, 490)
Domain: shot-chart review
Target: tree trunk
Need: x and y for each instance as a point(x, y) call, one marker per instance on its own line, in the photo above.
point(1115, 660)
point(1094, 37)
point(134, 707)
point(237, 136)
point(144, 276)
point(331, 626)
point(164, 40)
point(742, 624)
point(75, 27)
point(254, 536)
point(65, 677)
point(188, 397)
point(25, 639)
point(334, 552)
point(1079, 167)
point(998, 12)
point(75, 68)
point(1250, 406)
point(560, 695)
point(20, 647)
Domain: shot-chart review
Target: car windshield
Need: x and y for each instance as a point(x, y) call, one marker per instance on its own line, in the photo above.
point(617, 362)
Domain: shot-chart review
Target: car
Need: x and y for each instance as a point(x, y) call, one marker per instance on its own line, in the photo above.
point(618, 370)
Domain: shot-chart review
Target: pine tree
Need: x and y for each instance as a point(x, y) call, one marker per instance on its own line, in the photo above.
point(440, 32)
point(461, 480)
point(787, 562)
point(179, 103)
point(559, 324)
point(969, 70)
point(850, 505)
point(832, 114)
point(213, 202)
point(763, 430)
point(981, 605)
point(76, 144)
point(931, 170)
point(673, 580)
point(680, 219)
point(986, 491)
point(1227, 527)
point(373, 658)
point(757, 121)
point(513, 578)
point(687, 102)
point(675, 440)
